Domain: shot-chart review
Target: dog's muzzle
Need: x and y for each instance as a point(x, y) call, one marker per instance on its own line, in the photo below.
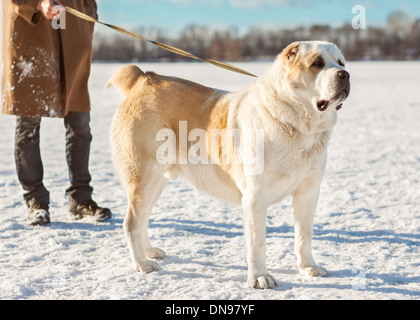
point(344, 79)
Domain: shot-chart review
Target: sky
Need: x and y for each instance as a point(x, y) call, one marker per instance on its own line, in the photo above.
point(173, 15)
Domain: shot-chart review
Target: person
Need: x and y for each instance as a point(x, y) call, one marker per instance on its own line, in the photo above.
point(45, 74)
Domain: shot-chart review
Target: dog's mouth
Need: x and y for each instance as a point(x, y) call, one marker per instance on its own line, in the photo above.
point(323, 104)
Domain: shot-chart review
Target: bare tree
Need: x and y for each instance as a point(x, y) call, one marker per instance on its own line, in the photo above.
point(399, 39)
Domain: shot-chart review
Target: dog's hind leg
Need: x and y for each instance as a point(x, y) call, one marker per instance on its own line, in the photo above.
point(142, 195)
point(155, 253)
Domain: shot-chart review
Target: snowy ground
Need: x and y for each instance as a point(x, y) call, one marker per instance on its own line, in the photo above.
point(367, 228)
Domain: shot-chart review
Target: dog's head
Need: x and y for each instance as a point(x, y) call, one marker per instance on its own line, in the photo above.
point(313, 72)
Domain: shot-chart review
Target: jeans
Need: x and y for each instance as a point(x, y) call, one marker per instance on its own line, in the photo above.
point(29, 166)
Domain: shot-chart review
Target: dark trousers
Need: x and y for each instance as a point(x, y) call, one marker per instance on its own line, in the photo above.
point(29, 164)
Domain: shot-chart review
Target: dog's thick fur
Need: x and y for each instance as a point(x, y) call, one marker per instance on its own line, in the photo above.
point(295, 104)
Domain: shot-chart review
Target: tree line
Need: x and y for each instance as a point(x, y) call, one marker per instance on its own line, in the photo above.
point(399, 39)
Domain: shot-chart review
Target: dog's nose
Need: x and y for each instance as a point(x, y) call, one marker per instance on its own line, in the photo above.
point(343, 74)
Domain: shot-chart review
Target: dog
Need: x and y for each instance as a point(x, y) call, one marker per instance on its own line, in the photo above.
point(271, 143)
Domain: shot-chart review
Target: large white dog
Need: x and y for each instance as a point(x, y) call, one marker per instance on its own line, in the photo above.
point(253, 147)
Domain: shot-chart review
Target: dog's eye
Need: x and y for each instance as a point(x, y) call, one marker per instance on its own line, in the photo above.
point(341, 63)
point(319, 63)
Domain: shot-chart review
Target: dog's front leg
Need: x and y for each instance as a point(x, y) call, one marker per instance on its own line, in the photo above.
point(255, 212)
point(305, 201)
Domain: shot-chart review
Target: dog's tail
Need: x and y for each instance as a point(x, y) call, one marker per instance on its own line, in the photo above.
point(126, 78)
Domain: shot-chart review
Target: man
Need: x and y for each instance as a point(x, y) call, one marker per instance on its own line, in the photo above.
point(46, 71)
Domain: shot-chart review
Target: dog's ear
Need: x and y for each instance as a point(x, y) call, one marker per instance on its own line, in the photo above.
point(290, 53)
point(287, 59)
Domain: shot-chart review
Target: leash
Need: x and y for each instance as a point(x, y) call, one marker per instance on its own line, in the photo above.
point(158, 44)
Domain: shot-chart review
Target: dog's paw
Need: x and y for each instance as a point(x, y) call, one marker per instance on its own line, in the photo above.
point(147, 266)
point(264, 282)
point(315, 271)
point(155, 253)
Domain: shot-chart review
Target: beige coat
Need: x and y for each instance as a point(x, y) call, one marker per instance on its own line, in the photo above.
point(46, 70)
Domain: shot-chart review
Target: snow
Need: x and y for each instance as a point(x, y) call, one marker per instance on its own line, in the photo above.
point(367, 228)
point(27, 69)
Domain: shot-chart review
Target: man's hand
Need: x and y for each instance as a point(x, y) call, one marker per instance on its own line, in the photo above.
point(46, 7)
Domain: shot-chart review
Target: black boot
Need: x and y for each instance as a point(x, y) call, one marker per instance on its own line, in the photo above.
point(88, 208)
point(38, 215)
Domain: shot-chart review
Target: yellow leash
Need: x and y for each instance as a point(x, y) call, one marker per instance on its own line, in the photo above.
point(160, 45)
